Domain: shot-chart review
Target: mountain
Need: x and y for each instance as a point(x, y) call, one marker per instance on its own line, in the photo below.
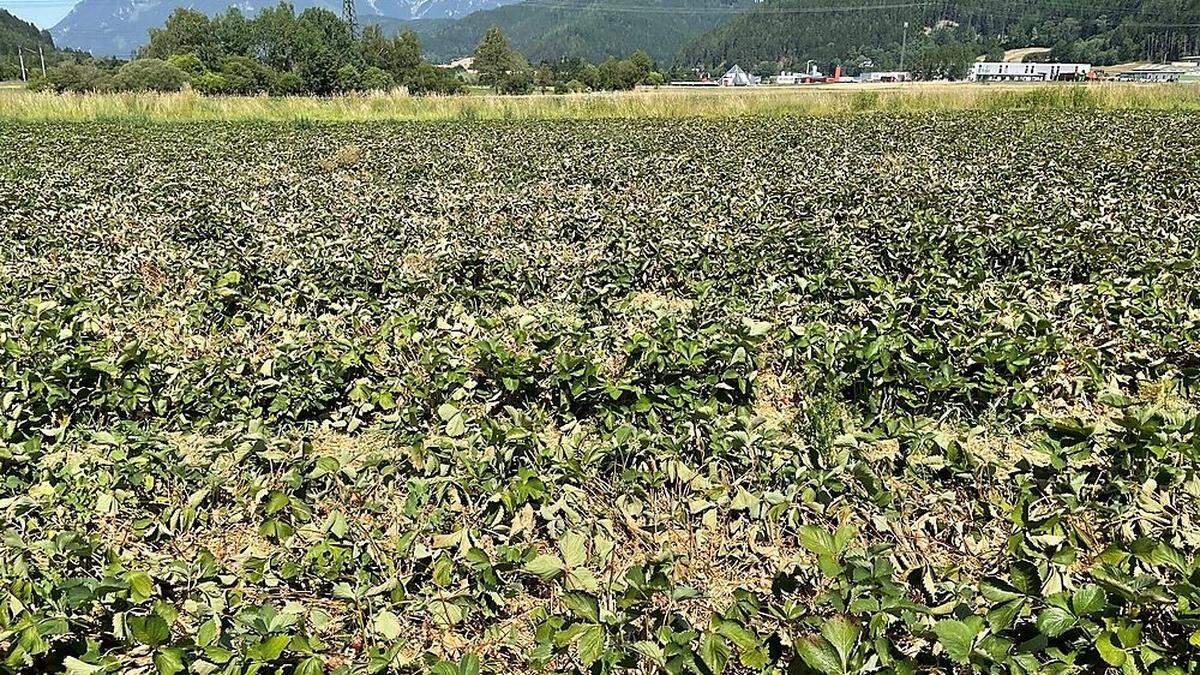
point(592, 29)
point(119, 27)
point(871, 35)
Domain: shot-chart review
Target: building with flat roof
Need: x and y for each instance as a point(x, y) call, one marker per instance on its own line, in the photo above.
point(999, 71)
point(1185, 71)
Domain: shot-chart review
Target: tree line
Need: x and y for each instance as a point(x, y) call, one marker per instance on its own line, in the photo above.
point(281, 52)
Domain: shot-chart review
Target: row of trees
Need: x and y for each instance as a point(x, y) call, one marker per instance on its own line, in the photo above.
point(277, 51)
point(505, 70)
point(314, 52)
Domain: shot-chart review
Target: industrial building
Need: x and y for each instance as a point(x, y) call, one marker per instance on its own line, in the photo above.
point(1184, 70)
point(996, 71)
point(885, 76)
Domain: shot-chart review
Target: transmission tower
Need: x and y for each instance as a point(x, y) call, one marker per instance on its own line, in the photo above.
point(350, 16)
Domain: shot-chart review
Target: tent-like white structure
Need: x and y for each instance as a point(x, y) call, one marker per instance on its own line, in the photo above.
point(736, 77)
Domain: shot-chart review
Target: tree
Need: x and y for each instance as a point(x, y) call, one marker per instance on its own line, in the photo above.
point(494, 59)
point(640, 66)
point(149, 75)
point(516, 82)
point(399, 56)
point(233, 33)
point(185, 32)
point(319, 71)
point(277, 37)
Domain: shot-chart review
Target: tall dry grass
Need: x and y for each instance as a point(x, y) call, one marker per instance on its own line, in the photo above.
point(657, 103)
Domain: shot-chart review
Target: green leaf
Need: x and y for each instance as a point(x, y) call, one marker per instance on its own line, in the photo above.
point(387, 625)
point(545, 566)
point(1053, 621)
point(469, 664)
point(591, 644)
point(270, 648)
point(1088, 600)
point(957, 638)
point(585, 605)
point(574, 549)
point(151, 629)
point(842, 635)
point(714, 652)
point(819, 655)
point(741, 636)
point(74, 666)
point(141, 586)
point(1112, 654)
point(313, 665)
point(817, 540)
point(169, 661)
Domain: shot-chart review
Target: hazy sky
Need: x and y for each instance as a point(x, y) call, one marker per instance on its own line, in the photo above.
point(43, 13)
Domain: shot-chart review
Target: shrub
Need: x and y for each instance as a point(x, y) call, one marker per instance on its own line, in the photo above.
point(149, 75)
point(188, 63)
point(433, 80)
point(211, 84)
point(74, 77)
point(349, 78)
point(516, 82)
point(376, 79)
point(244, 75)
point(287, 84)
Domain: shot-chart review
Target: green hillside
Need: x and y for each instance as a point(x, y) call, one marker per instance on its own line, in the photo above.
point(15, 32)
point(592, 29)
point(14, 35)
point(870, 34)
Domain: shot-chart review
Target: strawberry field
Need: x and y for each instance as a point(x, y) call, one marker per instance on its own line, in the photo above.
point(855, 394)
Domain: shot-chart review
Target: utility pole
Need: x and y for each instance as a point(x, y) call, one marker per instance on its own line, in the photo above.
point(903, 46)
point(21, 57)
point(42, 57)
point(350, 16)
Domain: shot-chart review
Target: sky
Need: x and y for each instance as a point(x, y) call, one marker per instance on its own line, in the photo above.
point(43, 13)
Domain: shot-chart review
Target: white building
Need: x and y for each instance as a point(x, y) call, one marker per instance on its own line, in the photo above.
point(736, 77)
point(1184, 70)
point(885, 76)
point(995, 71)
point(789, 77)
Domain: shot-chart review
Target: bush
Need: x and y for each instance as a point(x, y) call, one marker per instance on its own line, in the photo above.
point(348, 78)
point(188, 63)
point(376, 79)
point(287, 84)
point(211, 84)
point(244, 75)
point(74, 77)
point(149, 75)
point(576, 87)
point(433, 80)
point(516, 82)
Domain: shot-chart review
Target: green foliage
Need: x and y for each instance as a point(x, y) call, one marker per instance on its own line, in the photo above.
point(945, 38)
point(587, 29)
point(149, 75)
point(496, 62)
point(555, 396)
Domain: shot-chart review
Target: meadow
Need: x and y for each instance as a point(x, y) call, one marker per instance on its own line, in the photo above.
point(895, 392)
point(645, 103)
